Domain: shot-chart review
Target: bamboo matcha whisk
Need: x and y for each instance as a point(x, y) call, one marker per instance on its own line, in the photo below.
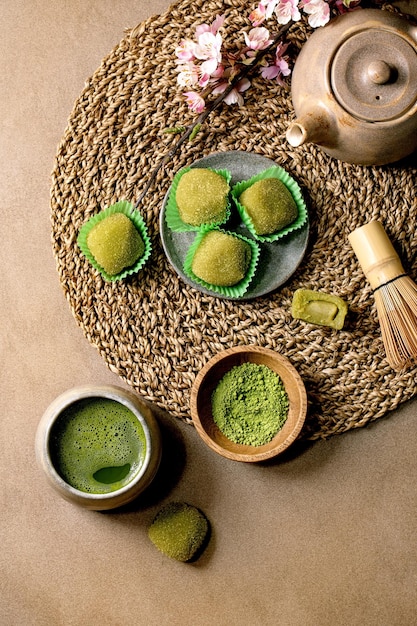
point(394, 291)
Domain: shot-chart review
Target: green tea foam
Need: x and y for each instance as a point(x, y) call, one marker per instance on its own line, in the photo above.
point(98, 445)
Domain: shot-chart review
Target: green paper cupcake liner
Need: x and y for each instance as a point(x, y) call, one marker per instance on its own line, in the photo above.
point(292, 186)
point(129, 210)
point(172, 216)
point(235, 291)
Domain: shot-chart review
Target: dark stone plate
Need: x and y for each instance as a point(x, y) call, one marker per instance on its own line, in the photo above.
point(277, 261)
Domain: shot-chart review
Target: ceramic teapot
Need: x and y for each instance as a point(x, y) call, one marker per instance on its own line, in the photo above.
point(354, 88)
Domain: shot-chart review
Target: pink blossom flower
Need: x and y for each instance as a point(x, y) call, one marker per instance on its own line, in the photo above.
point(188, 74)
point(208, 49)
point(200, 63)
point(269, 6)
point(287, 10)
point(213, 28)
point(220, 72)
point(194, 101)
point(209, 66)
point(257, 38)
point(204, 80)
point(318, 12)
point(279, 68)
point(185, 50)
point(257, 16)
point(263, 11)
point(234, 97)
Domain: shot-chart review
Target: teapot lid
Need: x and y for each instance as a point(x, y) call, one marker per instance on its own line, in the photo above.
point(374, 75)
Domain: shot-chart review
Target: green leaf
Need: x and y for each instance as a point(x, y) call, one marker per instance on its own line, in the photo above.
point(194, 132)
point(175, 130)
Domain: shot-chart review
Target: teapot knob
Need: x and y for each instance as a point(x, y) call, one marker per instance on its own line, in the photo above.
point(379, 72)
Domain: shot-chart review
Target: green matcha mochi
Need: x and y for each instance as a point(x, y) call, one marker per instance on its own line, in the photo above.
point(115, 243)
point(201, 197)
point(221, 259)
point(269, 205)
point(179, 531)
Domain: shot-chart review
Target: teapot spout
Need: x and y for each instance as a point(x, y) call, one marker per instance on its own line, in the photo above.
point(310, 128)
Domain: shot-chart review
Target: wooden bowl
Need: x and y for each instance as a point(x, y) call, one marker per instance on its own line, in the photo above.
point(206, 382)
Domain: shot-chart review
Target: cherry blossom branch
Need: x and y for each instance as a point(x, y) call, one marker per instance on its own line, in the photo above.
point(191, 130)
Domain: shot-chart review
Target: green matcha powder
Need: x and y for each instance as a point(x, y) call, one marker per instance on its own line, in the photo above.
point(250, 404)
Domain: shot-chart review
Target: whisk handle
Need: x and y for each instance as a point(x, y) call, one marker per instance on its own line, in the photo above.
point(376, 254)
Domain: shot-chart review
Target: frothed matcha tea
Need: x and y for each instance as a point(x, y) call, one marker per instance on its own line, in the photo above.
point(97, 445)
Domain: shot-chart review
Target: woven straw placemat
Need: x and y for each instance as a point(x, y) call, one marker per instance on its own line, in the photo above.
point(155, 331)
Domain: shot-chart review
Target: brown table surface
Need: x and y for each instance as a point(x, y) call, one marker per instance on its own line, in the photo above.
point(324, 536)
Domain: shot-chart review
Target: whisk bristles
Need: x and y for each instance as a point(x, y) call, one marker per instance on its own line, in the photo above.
point(396, 304)
point(395, 292)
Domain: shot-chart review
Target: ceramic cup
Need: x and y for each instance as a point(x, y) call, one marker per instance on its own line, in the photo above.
point(150, 446)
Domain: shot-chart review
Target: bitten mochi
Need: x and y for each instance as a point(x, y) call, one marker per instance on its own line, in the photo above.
point(221, 259)
point(320, 308)
point(115, 243)
point(202, 197)
point(270, 205)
